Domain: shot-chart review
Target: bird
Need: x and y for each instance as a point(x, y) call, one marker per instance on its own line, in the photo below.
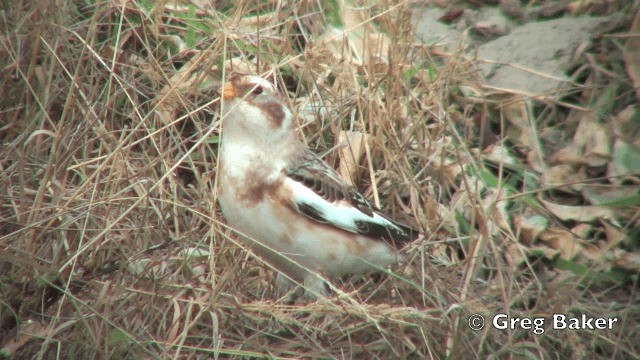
point(289, 206)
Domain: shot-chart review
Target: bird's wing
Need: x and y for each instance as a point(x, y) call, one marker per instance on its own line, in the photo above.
point(320, 194)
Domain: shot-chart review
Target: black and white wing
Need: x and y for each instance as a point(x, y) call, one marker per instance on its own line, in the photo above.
point(319, 193)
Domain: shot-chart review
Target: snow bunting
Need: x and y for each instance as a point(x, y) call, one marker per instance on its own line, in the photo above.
point(291, 207)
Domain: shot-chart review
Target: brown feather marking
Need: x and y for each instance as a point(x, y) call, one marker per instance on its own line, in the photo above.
point(273, 111)
point(253, 187)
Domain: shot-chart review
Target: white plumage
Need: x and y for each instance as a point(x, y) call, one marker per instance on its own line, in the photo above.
point(292, 208)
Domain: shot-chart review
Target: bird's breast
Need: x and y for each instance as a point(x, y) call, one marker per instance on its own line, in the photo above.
point(246, 180)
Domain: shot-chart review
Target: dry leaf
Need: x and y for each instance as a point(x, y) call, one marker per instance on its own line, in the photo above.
point(596, 139)
point(594, 253)
point(351, 147)
point(446, 216)
point(499, 154)
point(515, 254)
point(591, 144)
point(631, 54)
point(625, 164)
point(626, 125)
point(602, 194)
point(524, 131)
point(563, 241)
point(614, 235)
point(547, 252)
point(627, 260)
point(559, 176)
point(578, 213)
point(530, 227)
point(571, 154)
point(495, 207)
point(582, 230)
point(359, 43)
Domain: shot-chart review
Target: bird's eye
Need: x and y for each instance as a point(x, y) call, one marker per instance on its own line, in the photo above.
point(258, 90)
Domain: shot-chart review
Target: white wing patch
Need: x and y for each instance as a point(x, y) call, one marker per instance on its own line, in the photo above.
point(339, 213)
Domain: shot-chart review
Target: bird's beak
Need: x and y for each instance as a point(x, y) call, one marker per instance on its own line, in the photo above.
point(227, 91)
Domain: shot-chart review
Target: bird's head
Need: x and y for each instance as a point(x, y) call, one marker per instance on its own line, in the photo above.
point(252, 105)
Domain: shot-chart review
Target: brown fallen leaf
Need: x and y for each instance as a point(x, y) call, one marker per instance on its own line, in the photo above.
point(499, 154)
point(582, 230)
point(358, 42)
point(351, 147)
point(591, 144)
point(561, 177)
point(598, 194)
point(562, 240)
point(626, 125)
point(578, 213)
point(614, 235)
point(631, 54)
point(625, 165)
point(597, 141)
point(627, 260)
point(530, 227)
point(524, 132)
point(515, 254)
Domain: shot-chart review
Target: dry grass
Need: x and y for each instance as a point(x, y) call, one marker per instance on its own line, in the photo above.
point(111, 244)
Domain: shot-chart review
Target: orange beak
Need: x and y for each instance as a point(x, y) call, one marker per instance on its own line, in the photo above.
point(227, 91)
